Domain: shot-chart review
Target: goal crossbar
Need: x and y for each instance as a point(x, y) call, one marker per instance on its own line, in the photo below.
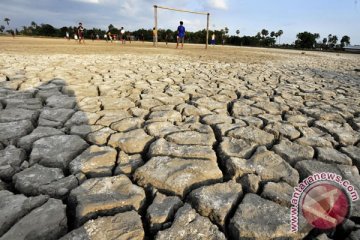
point(186, 11)
point(181, 10)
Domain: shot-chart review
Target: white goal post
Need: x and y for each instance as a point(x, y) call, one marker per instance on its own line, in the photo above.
point(181, 10)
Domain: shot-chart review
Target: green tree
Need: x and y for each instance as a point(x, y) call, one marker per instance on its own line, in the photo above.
point(268, 41)
point(226, 30)
point(2, 28)
point(111, 27)
point(7, 20)
point(264, 32)
point(34, 28)
point(306, 40)
point(324, 43)
point(272, 34)
point(279, 33)
point(332, 40)
point(33, 25)
point(237, 32)
point(345, 40)
point(62, 31)
point(47, 30)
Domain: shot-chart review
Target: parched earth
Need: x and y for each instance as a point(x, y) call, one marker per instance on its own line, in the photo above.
point(172, 146)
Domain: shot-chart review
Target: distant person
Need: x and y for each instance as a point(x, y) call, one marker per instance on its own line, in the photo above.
point(81, 33)
point(12, 33)
point(97, 37)
point(67, 34)
point(75, 33)
point(128, 36)
point(213, 39)
point(180, 35)
point(155, 34)
point(142, 38)
point(166, 39)
point(109, 36)
point(122, 34)
point(105, 37)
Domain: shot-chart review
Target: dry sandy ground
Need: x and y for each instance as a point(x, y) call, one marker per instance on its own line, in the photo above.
point(27, 45)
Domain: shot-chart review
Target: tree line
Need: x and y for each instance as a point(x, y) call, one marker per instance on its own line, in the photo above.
point(264, 38)
point(309, 40)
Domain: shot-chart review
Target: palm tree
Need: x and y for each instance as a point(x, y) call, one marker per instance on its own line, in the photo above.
point(264, 32)
point(325, 40)
point(332, 40)
point(238, 32)
point(345, 40)
point(7, 20)
point(279, 33)
point(2, 28)
point(33, 25)
point(329, 38)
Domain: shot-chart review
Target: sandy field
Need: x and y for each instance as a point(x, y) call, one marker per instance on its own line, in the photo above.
point(61, 46)
point(111, 141)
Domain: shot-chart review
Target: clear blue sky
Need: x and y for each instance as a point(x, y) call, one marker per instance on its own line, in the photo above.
point(339, 17)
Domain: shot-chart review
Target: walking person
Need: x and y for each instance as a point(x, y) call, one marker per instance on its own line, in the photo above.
point(155, 35)
point(81, 33)
point(180, 35)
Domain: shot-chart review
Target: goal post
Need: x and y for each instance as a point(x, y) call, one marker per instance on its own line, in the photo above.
point(181, 10)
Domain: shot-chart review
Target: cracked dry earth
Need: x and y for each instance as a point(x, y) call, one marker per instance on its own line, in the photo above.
point(171, 147)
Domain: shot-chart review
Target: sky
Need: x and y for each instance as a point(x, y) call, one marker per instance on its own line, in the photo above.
point(337, 17)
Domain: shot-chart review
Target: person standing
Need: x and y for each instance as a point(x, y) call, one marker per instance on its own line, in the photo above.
point(180, 35)
point(166, 39)
point(155, 34)
point(122, 35)
point(76, 34)
point(213, 39)
point(142, 38)
point(81, 33)
point(109, 36)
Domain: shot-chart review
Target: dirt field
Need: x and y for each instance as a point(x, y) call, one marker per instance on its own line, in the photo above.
point(30, 45)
